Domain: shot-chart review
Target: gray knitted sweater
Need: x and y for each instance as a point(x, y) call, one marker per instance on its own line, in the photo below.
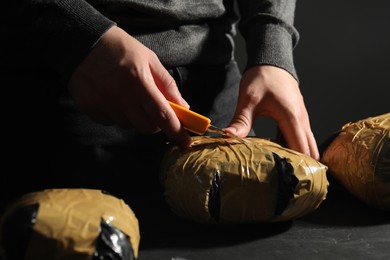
point(59, 33)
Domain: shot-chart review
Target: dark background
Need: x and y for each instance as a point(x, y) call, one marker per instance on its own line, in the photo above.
point(342, 60)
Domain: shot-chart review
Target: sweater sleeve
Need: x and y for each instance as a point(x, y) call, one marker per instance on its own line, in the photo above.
point(267, 27)
point(57, 34)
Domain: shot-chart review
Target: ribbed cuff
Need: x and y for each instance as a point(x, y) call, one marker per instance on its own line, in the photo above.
point(271, 44)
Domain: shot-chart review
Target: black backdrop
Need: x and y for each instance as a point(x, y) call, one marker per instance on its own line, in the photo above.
point(342, 60)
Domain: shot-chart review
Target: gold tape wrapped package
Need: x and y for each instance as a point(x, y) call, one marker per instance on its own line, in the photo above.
point(359, 158)
point(224, 180)
point(72, 224)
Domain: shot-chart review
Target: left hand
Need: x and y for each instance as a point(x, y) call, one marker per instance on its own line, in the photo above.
point(273, 92)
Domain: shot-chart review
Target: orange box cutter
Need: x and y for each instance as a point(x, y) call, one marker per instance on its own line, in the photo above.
point(195, 122)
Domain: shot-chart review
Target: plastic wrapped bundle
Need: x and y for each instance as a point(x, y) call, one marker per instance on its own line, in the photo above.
point(359, 158)
point(224, 180)
point(69, 224)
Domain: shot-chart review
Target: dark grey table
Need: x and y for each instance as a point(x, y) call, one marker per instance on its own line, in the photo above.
point(341, 228)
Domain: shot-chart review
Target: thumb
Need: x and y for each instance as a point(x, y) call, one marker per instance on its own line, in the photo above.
point(241, 124)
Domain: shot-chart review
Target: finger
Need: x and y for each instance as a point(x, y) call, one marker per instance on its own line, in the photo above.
point(314, 152)
point(299, 137)
point(241, 124)
point(170, 124)
point(156, 107)
point(294, 136)
point(167, 84)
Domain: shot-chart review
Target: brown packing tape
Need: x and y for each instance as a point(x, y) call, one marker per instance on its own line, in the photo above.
point(68, 222)
point(248, 183)
point(359, 158)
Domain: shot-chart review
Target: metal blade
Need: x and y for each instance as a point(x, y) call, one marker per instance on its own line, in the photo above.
point(220, 131)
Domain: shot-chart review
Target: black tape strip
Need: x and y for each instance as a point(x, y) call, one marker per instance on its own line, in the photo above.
point(16, 231)
point(287, 183)
point(215, 198)
point(112, 244)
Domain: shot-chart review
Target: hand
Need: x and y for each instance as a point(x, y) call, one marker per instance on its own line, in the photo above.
point(122, 82)
point(273, 92)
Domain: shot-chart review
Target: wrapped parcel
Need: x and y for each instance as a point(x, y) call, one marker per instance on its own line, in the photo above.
point(227, 180)
point(359, 158)
point(72, 224)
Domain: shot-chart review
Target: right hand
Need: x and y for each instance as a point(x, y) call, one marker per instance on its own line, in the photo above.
point(273, 92)
point(123, 82)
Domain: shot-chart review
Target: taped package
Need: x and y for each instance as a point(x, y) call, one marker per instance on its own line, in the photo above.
point(72, 224)
point(226, 180)
point(359, 158)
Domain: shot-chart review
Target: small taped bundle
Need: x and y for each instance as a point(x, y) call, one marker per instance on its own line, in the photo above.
point(359, 158)
point(225, 180)
point(69, 224)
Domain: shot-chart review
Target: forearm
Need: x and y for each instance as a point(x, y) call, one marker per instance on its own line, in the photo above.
point(270, 35)
point(57, 34)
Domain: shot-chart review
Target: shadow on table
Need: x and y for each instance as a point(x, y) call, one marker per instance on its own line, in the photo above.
point(161, 228)
point(341, 208)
